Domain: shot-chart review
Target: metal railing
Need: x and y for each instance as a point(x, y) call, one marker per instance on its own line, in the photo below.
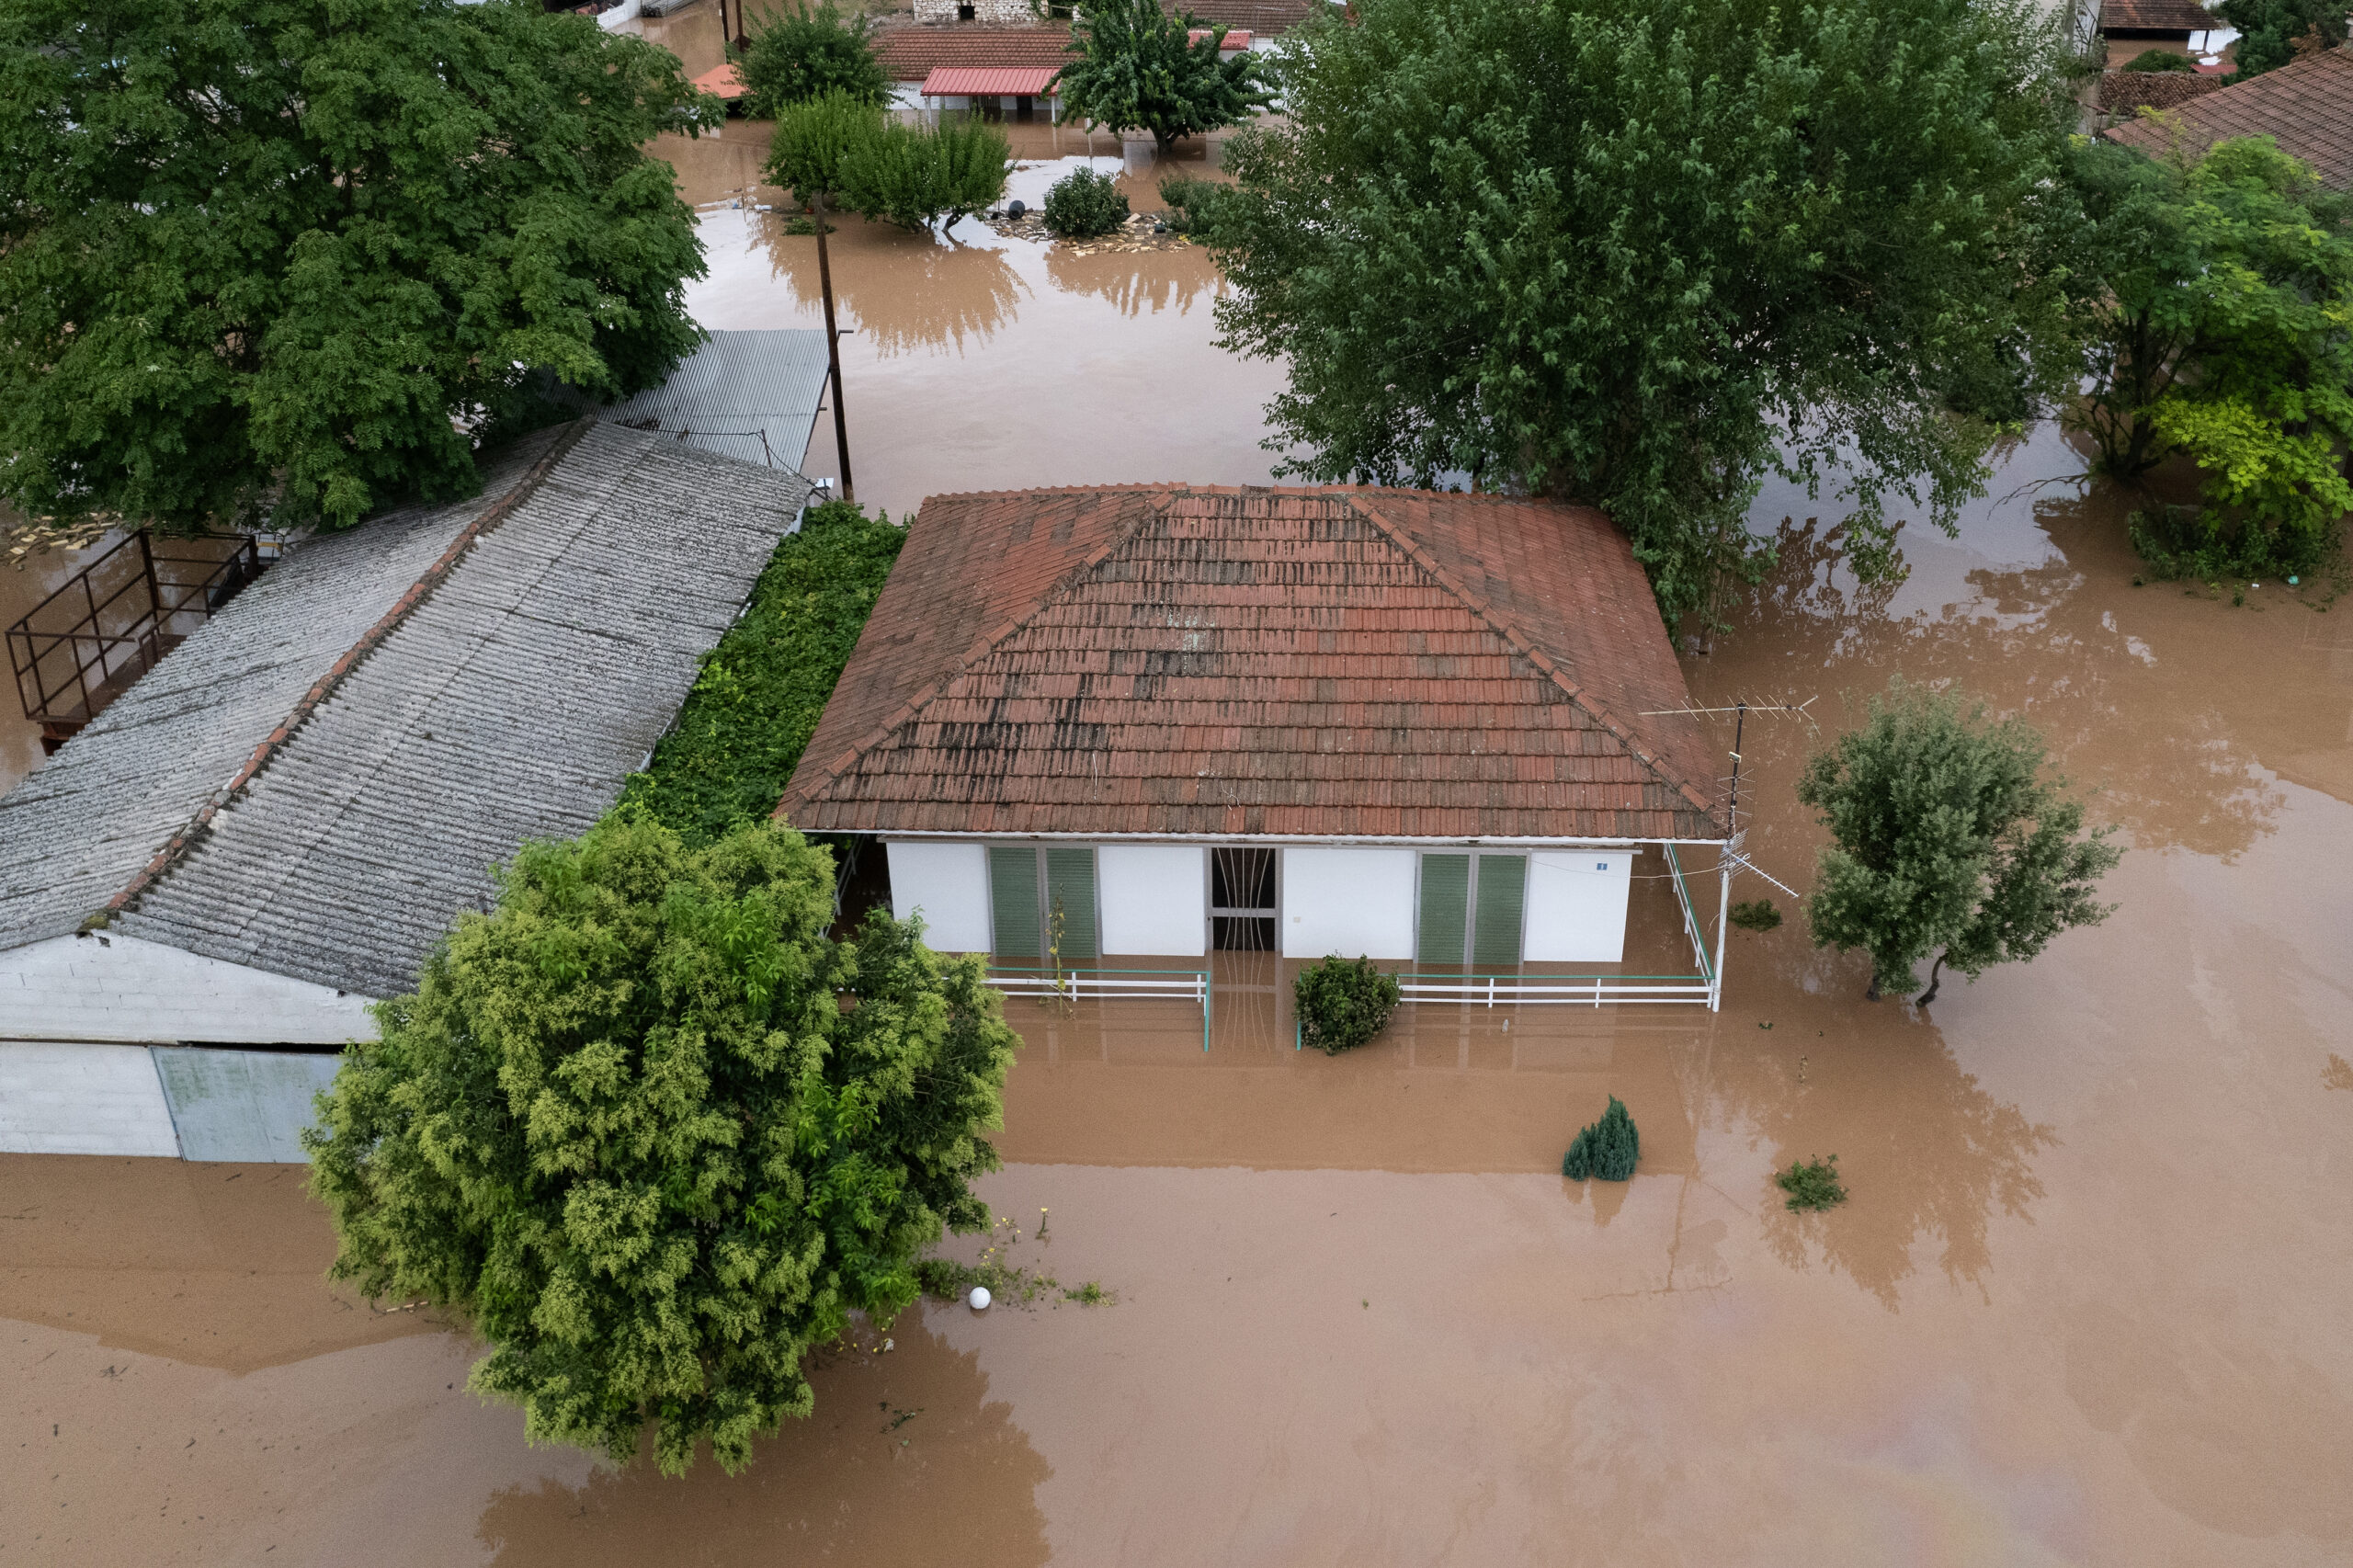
point(1580, 990)
point(65, 674)
point(1074, 984)
point(1691, 926)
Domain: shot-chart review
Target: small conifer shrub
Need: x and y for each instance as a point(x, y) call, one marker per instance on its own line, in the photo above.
point(1757, 915)
point(1812, 1184)
point(1084, 205)
point(1343, 1003)
point(1607, 1149)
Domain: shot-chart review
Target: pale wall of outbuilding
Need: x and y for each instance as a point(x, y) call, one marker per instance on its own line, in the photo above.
point(118, 988)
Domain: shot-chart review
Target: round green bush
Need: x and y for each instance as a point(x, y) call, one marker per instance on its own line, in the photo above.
point(1083, 205)
point(1607, 1149)
point(1343, 1003)
point(2157, 59)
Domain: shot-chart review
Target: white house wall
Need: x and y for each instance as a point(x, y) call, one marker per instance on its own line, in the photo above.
point(948, 883)
point(82, 1098)
point(1153, 899)
point(1355, 902)
point(120, 988)
point(1576, 905)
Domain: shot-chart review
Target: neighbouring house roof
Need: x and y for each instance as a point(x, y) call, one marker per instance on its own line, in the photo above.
point(2307, 106)
point(1290, 661)
point(1235, 37)
point(911, 54)
point(319, 780)
point(752, 395)
point(1272, 18)
point(2150, 18)
point(723, 80)
point(990, 81)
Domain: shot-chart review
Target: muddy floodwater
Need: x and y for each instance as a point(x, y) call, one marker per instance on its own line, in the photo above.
point(2091, 1300)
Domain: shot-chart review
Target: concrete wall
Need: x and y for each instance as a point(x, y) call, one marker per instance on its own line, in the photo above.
point(1576, 905)
point(107, 987)
point(1355, 902)
point(1153, 899)
point(82, 1098)
point(949, 885)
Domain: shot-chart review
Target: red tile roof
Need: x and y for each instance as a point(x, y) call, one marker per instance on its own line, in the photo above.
point(1318, 663)
point(2307, 106)
point(723, 80)
point(912, 53)
point(1272, 18)
point(2148, 16)
point(989, 81)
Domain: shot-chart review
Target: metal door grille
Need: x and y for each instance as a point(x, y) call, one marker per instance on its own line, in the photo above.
point(1241, 900)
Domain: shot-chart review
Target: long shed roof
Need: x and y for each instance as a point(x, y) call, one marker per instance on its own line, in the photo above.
point(319, 780)
point(2307, 106)
point(1261, 662)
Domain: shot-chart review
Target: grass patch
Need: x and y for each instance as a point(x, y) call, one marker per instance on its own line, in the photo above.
point(735, 741)
point(1812, 1184)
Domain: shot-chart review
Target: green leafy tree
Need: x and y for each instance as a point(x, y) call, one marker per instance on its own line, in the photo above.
point(2273, 33)
point(915, 176)
point(628, 1129)
point(1943, 835)
point(815, 140)
point(1641, 252)
point(264, 251)
point(2225, 331)
point(807, 53)
point(1137, 71)
point(1083, 205)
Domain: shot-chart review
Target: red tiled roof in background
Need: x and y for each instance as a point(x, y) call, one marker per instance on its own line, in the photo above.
point(1272, 18)
point(1320, 663)
point(990, 81)
point(912, 53)
point(2307, 106)
point(723, 80)
point(1235, 37)
point(2142, 17)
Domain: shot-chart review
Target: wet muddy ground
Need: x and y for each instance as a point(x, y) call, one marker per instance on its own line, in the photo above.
point(2088, 1301)
point(2091, 1300)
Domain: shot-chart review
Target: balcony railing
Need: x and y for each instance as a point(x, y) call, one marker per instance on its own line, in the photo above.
point(83, 646)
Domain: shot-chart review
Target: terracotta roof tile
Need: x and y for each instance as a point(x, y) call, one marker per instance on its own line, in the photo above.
point(912, 53)
point(2307, 106)
point(1210, 661)
point(2151, 16)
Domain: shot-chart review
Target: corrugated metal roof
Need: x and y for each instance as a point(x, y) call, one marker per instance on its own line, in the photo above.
point(391, 733)
point(749, 396)
point(989, 81)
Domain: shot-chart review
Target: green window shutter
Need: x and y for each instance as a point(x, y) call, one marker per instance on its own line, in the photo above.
point(1446, 888)
point(1503, 890)
point(1070, 878)
point(1013, 902)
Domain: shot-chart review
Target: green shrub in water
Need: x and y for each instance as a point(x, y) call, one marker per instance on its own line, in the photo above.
point(1757, 915)
point(1812, 1184)
point(2157, 59)
point(1607, 1149)
point(1192, 203)
point(914, 177)
point(1343, 1003)
point(1083, 205)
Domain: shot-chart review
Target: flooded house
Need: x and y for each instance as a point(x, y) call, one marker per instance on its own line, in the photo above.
point(278, 821)
point(1105, 725)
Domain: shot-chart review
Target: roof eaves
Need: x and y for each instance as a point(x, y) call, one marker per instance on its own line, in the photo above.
point(1526, 648)
point(193, 831)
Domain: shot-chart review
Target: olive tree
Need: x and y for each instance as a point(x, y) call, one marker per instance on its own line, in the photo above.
point(654, 1136)
point(1945, 838)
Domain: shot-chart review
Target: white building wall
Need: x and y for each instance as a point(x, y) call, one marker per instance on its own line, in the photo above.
point(1154, 898)
point(949, 884)
point(107, 987)
point(1355, 902)
point(1576, 905)
point(82, 1098)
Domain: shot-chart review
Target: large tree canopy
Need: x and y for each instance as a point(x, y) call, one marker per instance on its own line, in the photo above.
point(655, 1136)
point(1139, 68)
point(266, 250)
point(1640, 252)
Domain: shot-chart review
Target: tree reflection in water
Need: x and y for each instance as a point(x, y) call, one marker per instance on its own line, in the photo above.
point(907, 292)
point(1134, 281)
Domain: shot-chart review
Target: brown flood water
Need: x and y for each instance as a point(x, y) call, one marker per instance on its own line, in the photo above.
point(2091, 1300)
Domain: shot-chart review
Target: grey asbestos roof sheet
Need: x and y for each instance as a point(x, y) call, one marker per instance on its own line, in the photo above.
point(752, 396)
point(508, 703)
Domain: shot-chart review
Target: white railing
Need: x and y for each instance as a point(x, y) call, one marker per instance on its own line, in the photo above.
point(1075, 984)
point(1576, 990)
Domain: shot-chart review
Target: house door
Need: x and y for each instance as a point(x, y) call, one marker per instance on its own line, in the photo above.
point(1241, 900)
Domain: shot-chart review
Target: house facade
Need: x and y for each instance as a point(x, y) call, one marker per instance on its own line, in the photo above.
point(1436, 729)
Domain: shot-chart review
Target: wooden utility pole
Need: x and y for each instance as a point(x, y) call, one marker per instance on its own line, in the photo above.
point(833, 353)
